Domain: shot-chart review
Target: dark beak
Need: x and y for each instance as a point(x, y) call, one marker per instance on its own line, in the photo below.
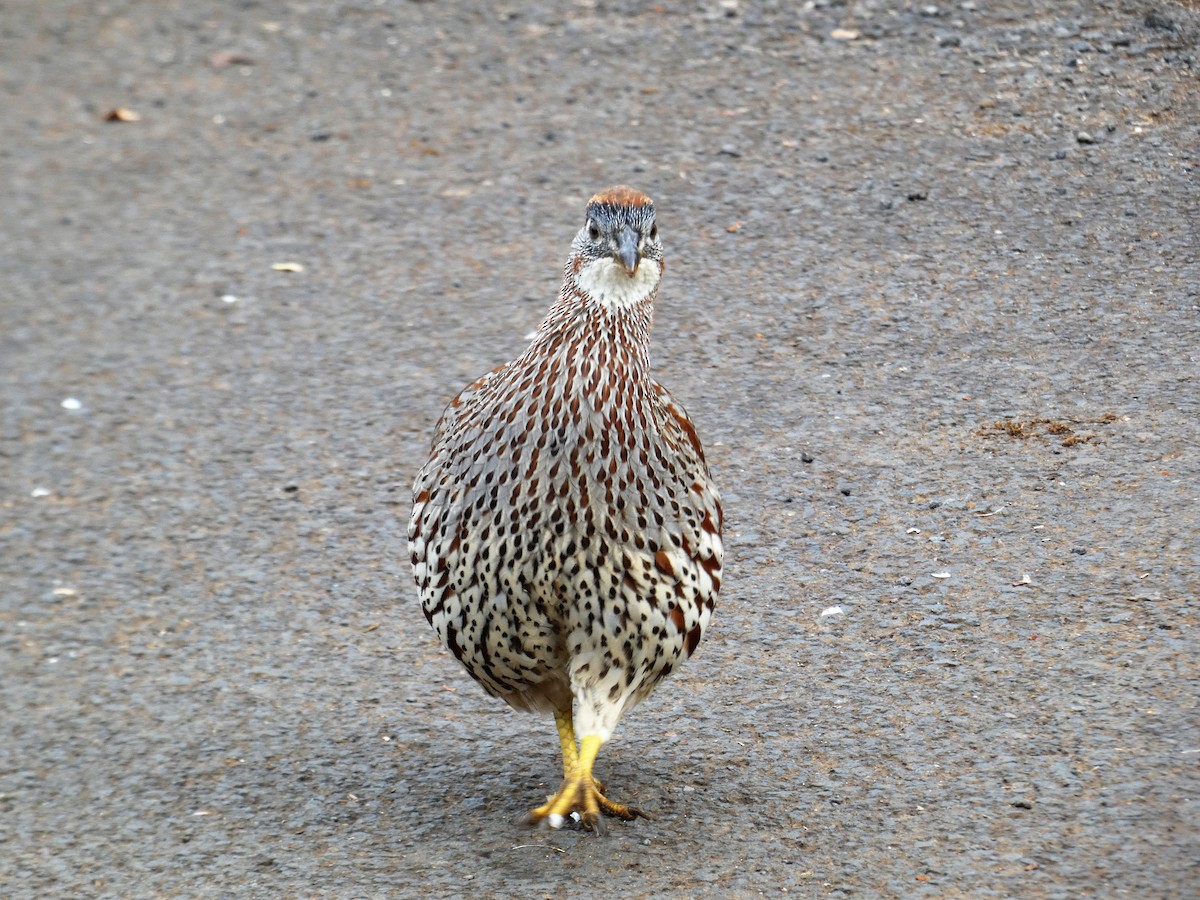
point(627, 250)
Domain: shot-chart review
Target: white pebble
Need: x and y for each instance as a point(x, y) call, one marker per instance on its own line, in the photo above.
point(228, 298)
point(556, 821)
point(71, 403)
point(941, 575)
point(40, 492)
point(832, 611)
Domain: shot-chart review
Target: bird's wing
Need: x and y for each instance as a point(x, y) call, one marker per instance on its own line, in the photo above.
point(703, 520)
point(455, 407)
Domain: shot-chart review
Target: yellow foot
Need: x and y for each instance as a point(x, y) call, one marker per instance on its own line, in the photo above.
point(581, 794)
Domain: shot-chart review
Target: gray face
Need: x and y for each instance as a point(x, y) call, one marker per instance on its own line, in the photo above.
point(627, 234)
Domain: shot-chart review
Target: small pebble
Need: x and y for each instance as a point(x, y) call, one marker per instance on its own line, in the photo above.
point(832, 611)
point(1084, 138)
point(71, 403)
point(1155, 19)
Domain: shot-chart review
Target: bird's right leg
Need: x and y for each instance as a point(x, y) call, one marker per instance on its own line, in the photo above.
point(566, 736)
point(565, 723)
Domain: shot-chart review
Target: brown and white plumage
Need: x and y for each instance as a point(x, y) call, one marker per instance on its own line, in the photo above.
point(565, 535)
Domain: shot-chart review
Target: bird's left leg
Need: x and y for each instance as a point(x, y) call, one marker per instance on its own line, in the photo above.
point(580, 791)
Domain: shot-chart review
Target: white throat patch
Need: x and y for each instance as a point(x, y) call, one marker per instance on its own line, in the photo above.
point(607, 282)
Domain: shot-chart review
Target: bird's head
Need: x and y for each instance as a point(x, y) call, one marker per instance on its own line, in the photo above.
point(620, 226)
point(618, 235)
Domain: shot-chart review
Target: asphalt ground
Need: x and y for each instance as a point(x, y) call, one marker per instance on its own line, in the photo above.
point(931, 299)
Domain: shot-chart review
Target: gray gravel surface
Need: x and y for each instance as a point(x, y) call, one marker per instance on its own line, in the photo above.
point(931, 297)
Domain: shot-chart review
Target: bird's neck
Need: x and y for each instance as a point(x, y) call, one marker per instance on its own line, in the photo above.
point(597, 349)
point(605, 315)
point(606, 283)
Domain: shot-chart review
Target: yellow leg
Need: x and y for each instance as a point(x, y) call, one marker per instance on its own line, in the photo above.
point(580, 791)
point(566, 736)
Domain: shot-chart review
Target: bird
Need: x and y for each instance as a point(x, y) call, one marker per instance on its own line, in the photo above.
point(566, 535)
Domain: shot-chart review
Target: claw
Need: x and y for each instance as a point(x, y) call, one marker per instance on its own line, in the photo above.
point(581, 794)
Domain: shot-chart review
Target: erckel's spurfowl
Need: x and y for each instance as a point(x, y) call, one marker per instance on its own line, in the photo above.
point(565, 534)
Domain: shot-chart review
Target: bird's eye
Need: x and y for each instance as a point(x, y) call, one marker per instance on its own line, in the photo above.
point(593, 231)
point(654, 232)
